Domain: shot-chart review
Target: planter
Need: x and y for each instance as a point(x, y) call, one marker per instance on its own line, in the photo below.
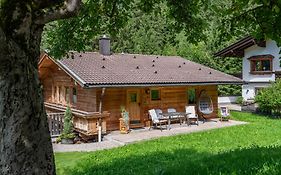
point(124, 128)
point(67, 141)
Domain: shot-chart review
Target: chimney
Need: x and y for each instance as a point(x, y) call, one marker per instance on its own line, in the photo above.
point(104, 45)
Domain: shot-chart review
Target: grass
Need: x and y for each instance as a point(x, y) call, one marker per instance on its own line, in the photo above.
point(254, 148)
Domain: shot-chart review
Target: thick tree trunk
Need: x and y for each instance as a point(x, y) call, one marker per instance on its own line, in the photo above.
point(25, 145)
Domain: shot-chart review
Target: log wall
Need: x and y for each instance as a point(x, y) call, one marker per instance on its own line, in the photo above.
point(171, 97)
point(113, 99)
point(55, 81)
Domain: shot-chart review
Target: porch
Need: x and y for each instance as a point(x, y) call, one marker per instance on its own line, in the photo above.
point(115, 139)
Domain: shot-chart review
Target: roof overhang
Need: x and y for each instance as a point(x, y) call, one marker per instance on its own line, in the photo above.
point(237, 49)
point(81, 82)
point(163, 84)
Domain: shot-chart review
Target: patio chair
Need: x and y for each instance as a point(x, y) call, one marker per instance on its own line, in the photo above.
point(175, 117)
point(159, 113)
point(224, 113)
point(192, 116)
point(156, 120)
point(205, 105)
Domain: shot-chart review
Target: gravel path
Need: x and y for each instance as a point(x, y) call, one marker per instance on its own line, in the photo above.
point(115, 139)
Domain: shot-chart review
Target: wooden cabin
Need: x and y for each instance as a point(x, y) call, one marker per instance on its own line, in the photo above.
point(96, 85)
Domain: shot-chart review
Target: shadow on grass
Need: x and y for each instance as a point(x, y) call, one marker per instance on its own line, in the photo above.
point(254, 160)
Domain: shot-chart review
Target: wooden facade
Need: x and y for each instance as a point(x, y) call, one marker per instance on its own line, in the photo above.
point(60, 89)
point(171, 97)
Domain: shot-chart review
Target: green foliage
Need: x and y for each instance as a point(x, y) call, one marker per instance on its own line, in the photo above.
point(260, 19)
point(239, 100)
point(254, 148)
point(184, 28)
point(269, 99)
point(109, 17)
point(229, 90)
point(67, 125)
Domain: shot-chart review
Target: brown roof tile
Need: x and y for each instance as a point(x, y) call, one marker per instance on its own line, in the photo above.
point(95, 69)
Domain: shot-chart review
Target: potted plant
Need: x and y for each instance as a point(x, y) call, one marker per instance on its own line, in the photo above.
point(124, 121)
point(67, 136)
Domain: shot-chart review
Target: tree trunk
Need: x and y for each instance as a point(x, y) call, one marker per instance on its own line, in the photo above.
point(25, 145)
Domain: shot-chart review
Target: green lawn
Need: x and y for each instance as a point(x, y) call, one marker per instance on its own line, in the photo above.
point(254, 148)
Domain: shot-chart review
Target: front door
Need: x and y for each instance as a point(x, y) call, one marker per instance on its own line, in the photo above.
point(133, 104)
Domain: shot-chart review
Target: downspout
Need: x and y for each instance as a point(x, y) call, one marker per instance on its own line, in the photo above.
point(100, 111)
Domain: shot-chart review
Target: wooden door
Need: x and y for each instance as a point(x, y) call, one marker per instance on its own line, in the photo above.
point(133, 104)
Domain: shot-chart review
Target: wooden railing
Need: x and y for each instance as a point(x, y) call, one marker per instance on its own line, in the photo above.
point(55, 121)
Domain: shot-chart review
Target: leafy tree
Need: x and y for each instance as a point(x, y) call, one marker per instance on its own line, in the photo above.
point(122, 20)
point(260, 19)
point(155, 33)
point(25, 141)
point(25, 145)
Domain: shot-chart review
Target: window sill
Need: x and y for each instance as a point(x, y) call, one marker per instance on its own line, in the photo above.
point(261, 72)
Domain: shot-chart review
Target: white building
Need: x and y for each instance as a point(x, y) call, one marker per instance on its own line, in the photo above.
point(261, 63)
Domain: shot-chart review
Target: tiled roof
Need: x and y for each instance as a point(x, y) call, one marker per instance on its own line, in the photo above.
point(93, 69)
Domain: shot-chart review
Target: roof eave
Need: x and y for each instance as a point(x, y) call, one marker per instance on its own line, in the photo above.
point(237, 49)
point(106, 85)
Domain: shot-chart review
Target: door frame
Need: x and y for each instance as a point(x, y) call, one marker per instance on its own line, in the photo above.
point(138, 91)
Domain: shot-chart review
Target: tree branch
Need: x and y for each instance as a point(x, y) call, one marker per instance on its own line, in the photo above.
point(41, 4)
point(69, 9)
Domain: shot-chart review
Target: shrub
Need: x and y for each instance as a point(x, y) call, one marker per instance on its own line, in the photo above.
point(239, 100)
point(67, 126)
point(269, 99)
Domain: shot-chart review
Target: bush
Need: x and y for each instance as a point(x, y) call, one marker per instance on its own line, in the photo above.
point(239, 100)
point(67, 126)
point(269, 99)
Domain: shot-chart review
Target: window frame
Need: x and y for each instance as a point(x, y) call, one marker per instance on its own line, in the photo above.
point(159, 95)
point(67, 95)
point(74, 96)
point(261, 58)
point(195, 101)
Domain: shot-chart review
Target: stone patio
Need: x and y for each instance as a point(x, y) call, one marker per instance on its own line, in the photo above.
point(115, 139)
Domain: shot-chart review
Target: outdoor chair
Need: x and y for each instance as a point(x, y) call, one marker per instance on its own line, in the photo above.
point(159, 113)
point(224, 113)
point(156, 120)
point(192, 116)
point(205, 105)
point(175, 117)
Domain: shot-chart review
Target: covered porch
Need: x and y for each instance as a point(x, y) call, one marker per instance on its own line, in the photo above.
point(139, 100)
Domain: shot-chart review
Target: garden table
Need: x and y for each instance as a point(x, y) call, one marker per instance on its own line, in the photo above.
point(174, 115)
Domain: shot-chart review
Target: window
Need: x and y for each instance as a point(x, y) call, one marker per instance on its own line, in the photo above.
point(59, 94)
point(67, 94)
point(62, 95)
point(261, 64)
point(55, 92)
point(191, 95)
point(155, 94)
point(74, 95)
point(133, 97)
